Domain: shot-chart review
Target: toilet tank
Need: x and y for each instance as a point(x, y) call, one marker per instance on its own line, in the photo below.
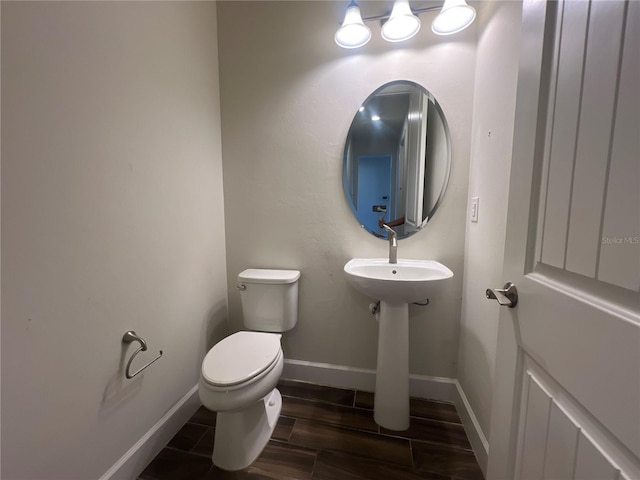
point(269, 299)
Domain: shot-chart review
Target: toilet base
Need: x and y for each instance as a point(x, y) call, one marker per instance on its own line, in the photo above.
point(241, 436)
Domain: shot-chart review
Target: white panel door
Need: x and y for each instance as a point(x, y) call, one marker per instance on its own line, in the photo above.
point(567, 391)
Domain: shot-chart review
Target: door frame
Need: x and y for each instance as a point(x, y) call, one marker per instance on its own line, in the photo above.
point(538, 26)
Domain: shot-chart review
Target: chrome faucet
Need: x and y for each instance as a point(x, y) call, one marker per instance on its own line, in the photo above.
point(393, 244)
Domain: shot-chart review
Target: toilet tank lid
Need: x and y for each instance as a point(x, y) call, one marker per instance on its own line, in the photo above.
point(257, 275)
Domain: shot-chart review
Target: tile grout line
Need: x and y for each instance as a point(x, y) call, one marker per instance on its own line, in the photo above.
point(413, 463)
point(295, 420)
point(199, 439)
point(315, 462)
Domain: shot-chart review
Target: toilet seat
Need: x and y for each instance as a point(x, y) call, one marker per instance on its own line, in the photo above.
point(240, 358)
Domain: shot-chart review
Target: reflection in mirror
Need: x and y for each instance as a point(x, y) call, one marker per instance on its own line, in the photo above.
point(397, 159)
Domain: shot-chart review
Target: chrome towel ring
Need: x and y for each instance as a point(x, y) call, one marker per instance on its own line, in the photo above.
point(129, 337)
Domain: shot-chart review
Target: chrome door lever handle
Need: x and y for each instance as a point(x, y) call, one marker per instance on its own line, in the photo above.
point(507, 296)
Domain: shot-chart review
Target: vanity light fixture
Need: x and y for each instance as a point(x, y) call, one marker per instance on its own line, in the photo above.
point(403, 23)
point(455, 16)
point(353, 33)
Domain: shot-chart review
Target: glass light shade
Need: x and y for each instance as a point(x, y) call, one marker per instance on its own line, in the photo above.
point(402, 24)
point(455, 16)
point(353, 33)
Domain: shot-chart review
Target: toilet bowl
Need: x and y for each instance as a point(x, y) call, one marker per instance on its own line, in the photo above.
point(238, 380)
point(239, 374)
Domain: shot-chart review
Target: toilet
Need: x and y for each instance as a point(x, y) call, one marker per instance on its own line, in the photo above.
point(239, 374)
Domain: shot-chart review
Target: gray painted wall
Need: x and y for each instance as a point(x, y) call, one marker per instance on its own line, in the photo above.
point(288, 96)
point(491, 144)
point(112, 220)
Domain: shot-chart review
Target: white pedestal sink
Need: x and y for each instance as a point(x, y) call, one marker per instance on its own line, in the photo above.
point(396, 285)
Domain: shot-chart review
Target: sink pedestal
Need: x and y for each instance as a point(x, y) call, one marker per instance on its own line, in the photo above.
point(391, 402)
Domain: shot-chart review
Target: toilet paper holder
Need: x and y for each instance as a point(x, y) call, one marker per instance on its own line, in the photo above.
point(130, 337)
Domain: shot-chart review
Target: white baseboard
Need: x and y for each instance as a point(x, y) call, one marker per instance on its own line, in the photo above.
point(472, 428)
point(433, 388)
point(134, 461)
point(420, 386)
point(329, 374)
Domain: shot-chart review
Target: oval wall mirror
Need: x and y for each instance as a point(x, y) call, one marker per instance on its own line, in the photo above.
point(397, 159)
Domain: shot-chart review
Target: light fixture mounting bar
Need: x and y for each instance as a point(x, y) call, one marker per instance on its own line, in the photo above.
point(386, 16)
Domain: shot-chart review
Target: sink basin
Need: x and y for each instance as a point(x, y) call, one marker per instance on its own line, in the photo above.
point(407, 281)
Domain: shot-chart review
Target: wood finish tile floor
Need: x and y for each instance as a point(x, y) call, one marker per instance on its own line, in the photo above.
point(328, 433)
